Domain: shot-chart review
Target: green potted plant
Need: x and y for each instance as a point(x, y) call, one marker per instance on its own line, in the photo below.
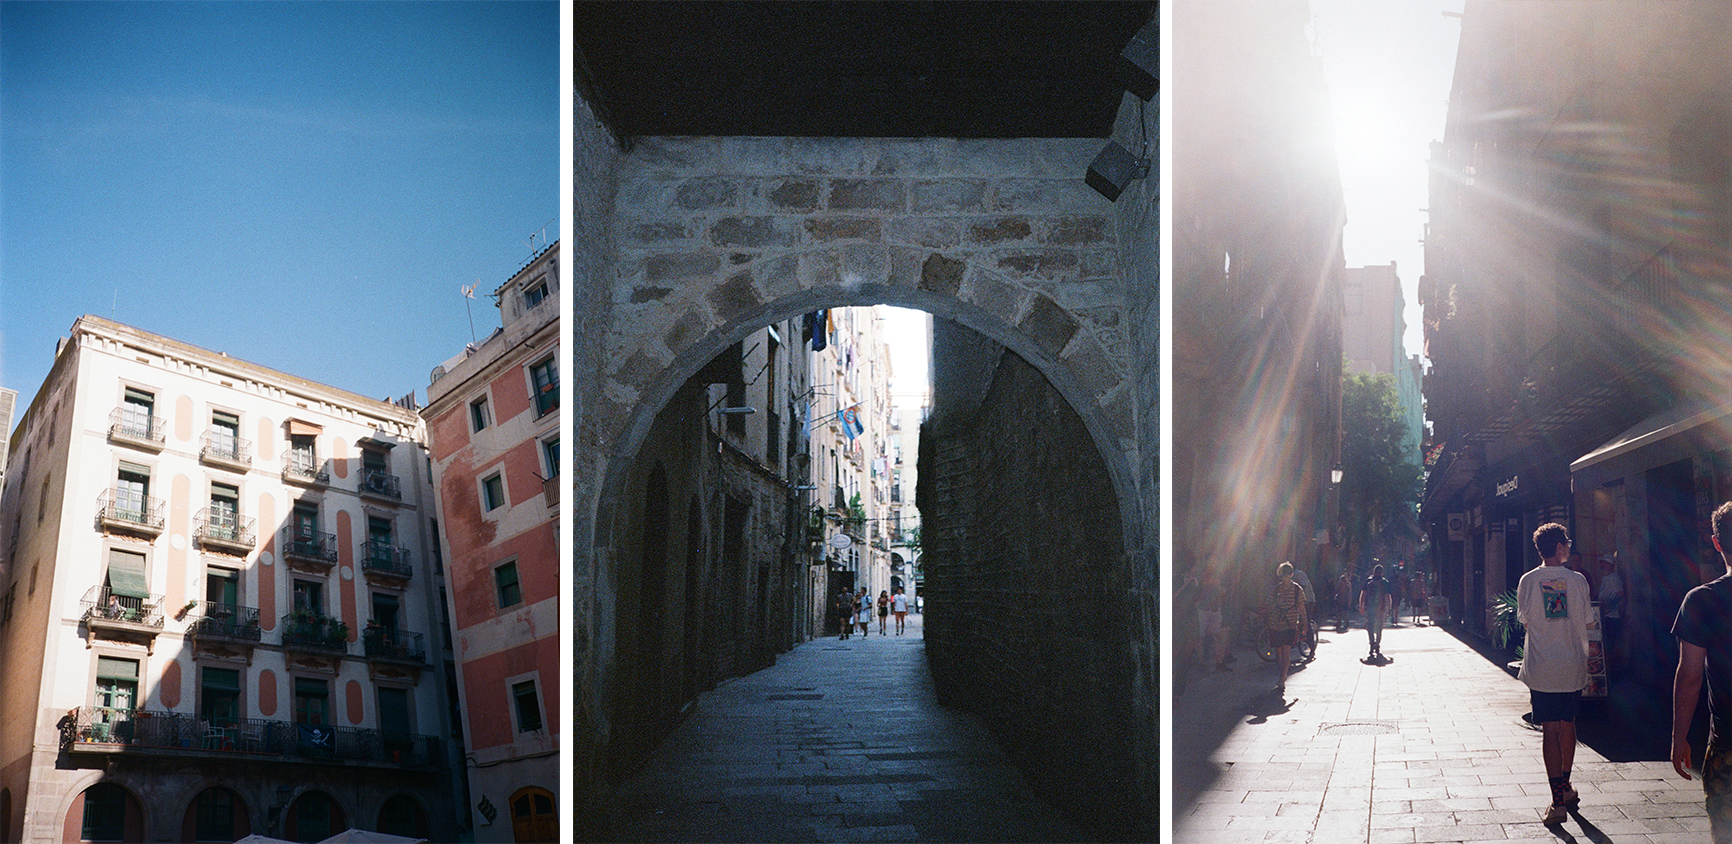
point(1506, 629)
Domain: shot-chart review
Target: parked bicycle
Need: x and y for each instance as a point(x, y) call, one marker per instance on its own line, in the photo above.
point(1257, 626)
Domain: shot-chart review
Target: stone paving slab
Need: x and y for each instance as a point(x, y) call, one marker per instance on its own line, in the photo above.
point(1429, 747)
point(840, 741)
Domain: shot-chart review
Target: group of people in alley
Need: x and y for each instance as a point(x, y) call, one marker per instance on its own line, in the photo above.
point(856, 609)
point(1553, 605)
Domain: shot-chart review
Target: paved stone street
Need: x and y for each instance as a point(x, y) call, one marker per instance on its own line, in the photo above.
point(1427, 748)
point(839, 741)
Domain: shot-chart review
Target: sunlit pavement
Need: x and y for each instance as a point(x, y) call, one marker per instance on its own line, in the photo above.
point(1429, 747)
point(839, 741)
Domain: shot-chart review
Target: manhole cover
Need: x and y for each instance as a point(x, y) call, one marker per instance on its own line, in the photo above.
point(1359, 728)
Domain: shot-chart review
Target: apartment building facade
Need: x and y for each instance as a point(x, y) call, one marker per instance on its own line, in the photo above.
point(493, 430)
point(218, 584)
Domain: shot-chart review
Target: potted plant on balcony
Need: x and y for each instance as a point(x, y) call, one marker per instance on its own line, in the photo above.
point(336, 632)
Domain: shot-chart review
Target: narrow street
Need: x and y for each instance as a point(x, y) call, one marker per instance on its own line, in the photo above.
point(1429, 747)
point(839, 741)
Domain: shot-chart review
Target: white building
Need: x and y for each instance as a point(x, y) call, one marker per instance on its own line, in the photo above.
point(217, 604)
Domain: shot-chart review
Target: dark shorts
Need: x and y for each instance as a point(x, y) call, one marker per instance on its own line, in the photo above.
point(1283, 638)
point(1555, 706)
point(883, 613)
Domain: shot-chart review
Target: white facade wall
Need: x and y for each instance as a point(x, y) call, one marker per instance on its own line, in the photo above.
point(64, 550)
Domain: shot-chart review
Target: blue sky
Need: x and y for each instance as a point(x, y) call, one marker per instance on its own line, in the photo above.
point(305, 186)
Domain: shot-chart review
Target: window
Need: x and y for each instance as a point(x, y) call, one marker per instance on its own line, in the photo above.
point(222, 588)
point(225, 512)
point(132, 493)
point(550, 457)
point(394, 718)
point(302, 458)
point(373, 460)
point(225, 434)
point(528, 707)
point(385, 615)
point(135, 414)
point(379, 531)
point(126, 584)
point(219, 696)
point(312, 702)
point(534, 294)
point(104, 813)
point(479, 415)
point(309, 596)
point(42, 503)
point(215, 815)
point(306, 522)
point(544, 377)
point(116, 690)
point(505, 580)
point(493, 492)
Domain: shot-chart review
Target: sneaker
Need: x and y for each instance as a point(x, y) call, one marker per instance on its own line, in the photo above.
point(1280, 688)
point(1555, 814)
point(1571, 799)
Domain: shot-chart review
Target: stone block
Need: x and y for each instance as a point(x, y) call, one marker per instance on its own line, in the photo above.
point(947, 195)
point(751, 232)
point(1047, 195)
point(1097, 370)
point(654, 232)
point(799, 195)
point(999, 230)
point(930, 232)
point(1039, 263)
point(677, 266)
point(640, 295)
point(1076, 230)
point(826, 229)
point(1049, 325)
point(868, 195)
point(736, 294)
point(942, 275)
point(707, 194)
point(863, 263)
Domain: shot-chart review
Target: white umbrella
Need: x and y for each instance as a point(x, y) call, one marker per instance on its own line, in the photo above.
point(362, 836)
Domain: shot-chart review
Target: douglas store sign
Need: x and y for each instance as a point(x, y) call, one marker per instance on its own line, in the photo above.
point(1507, 488)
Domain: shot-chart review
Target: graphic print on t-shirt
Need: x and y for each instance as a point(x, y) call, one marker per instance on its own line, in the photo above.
point(1553, 596)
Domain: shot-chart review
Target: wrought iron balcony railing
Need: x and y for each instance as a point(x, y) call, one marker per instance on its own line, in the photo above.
point(224, 528)
point(383, 484)
point(221, 446)
point(309, 545)
point(100, 729)
point(225, 621)
point(125, 508)
point(128, 424)
point(382, 557)
point(103, 605)
point(301, 467)
point(304, 629)
point(394, 645)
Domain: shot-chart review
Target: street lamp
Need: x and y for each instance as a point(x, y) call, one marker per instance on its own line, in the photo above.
point(1335, 474)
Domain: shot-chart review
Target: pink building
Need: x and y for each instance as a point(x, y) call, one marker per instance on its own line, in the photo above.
point(493, 434)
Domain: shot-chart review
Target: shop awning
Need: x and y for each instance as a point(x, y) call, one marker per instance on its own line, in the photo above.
point(298, 428)
point(1666, 437)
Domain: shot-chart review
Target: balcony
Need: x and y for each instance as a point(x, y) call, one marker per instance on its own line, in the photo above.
point(144, 732)
point(309, 550)
point(129, 512)
point(310, 631)
point(385, 645)
point(215, 622)
point(126, 618)
point(381, 560)
point(299, 467)
point(222, 530)
point(139, 430)
point(379, 484)
point(221, 448)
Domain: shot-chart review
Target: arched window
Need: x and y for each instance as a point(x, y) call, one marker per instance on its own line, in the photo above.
point(401, 815)
point(106, 812)
point(216, 814)
point(532, 815)
point(314, 816)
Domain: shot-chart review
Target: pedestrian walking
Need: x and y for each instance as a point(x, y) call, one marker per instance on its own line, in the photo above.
point(863, 611)
point(1704, 631)
point(1552, 604)
point(1304, 582)
point(1286, 618)
point(899, 606)
point(845, 612)
point(1374, 603)
point(883, 611)
point(1343, 601)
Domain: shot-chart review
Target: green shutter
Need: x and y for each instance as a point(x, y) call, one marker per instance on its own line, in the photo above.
point(116, 669)
point(126, 575)
point(222, 679)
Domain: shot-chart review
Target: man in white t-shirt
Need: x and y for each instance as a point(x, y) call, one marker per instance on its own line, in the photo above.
point(899, 606)
point(1552, 604)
